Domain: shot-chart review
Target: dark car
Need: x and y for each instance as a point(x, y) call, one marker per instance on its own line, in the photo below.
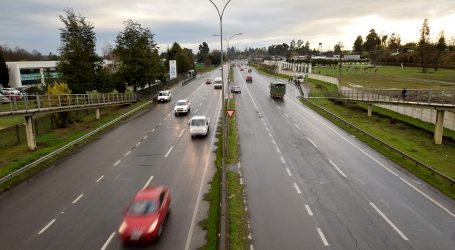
point(208, 81)
point(250, 70)
point(249, 79)
point(236, 89)
point(144, 218)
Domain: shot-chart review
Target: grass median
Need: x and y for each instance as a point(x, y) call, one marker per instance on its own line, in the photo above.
point(238, 231)
point(15, 157)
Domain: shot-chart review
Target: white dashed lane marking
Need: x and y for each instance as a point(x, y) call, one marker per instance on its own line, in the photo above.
point(297, 188)
point(168, 152)
point(47, 226)
point(78, 198)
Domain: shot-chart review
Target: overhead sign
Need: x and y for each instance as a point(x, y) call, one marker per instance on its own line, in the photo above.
point(230, 112)
point(172, 69)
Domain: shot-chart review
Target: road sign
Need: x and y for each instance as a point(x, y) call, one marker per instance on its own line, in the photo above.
point(230, 112)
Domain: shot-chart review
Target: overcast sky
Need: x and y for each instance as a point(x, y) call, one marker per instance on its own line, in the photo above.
point(34, 24)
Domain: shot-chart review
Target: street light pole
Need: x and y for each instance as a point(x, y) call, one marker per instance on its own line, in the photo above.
point(223, 224)
point(227, 43)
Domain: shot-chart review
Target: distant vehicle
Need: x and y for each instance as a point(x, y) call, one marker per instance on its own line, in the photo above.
point(218, 83)
point(182, 106)
point(250, 70)
point(236, 89)
point(298, 78)
point(164, 96)
point(249, 79)
point(12, 93)
point(144, 218)
point(277, 90)
point(4, 99)
point(199, 125)
point(208, 81)
point(241, 69)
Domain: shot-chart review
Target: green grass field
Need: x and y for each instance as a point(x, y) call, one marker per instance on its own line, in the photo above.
point(392, 77)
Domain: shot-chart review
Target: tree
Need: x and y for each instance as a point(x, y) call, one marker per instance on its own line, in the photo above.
point(372, 41)
point(337, 48)
point(61, 118)
point(78, 58)
point(184, 58)
point(440, 47)
point(358, 44)
point(203, 52)
point(137, 52)
point(394, 41)
point(424, 49)
point(4, 71)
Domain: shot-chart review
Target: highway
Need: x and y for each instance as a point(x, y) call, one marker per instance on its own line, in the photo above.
point(310, 185)
point(79, 202)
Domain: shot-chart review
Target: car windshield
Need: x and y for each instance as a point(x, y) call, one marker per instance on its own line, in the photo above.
point(163, 94)
point(142, 207)
point(180, 103)
point(197, 122)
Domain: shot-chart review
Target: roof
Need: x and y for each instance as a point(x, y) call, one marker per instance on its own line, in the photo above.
point(149, 193)
point(199, 117)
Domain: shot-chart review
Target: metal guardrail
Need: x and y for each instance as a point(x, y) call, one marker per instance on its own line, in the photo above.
point(52, 154)
point(24, 104)
point(433, 97)
point(382, 143)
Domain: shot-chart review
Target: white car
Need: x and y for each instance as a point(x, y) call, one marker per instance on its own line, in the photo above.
point(164, 96)
point(182, 106)
point(4, 99)
point(199, 125)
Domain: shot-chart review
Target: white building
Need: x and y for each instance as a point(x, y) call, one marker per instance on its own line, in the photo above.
point(28, 73)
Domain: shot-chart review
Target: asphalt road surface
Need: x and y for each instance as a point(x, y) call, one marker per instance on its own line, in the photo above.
point(310, 185)
point(78, 204)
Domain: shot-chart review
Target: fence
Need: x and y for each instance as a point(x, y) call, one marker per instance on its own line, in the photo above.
point(15, 135)
point(35, 103)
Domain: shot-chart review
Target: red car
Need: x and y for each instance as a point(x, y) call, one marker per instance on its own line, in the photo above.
point(249, 79)
point(144, 218)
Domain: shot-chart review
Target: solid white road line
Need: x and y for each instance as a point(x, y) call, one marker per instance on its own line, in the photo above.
point(336, 167)
point(297, 126)
point(199, 195)
point(78, 198)
point(168, 152)
point(312, 142)
point(282, 160)
point(321, 234)
point(148, 182)
point(108, 241)
point(389, 222)
point(181, 133)
point(127, 153)
point(115, 164)
point(308, 209)
point(289, 172)
point(47, 226)
point(428, 197)
point(99, 179)
point(297, 188)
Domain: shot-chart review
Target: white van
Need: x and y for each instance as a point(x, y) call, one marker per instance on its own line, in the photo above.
point(199, 125)
point(218, 84)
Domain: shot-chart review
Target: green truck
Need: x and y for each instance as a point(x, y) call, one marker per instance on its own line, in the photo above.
point(277, 90)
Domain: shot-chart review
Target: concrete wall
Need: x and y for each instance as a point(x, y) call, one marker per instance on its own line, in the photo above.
point(426, 115)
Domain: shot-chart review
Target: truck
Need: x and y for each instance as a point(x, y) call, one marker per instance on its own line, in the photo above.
point(218, 84)
point(298, 78)
point(277, 90)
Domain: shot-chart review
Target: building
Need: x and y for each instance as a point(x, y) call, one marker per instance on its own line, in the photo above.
point(29, 73)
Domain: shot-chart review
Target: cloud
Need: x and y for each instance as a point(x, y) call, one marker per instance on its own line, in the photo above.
point(33, 24)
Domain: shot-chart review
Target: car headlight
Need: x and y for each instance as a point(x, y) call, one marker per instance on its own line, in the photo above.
point(153, 226)
point(122, 228)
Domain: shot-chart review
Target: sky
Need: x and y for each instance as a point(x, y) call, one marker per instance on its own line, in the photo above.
point(35, 24)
